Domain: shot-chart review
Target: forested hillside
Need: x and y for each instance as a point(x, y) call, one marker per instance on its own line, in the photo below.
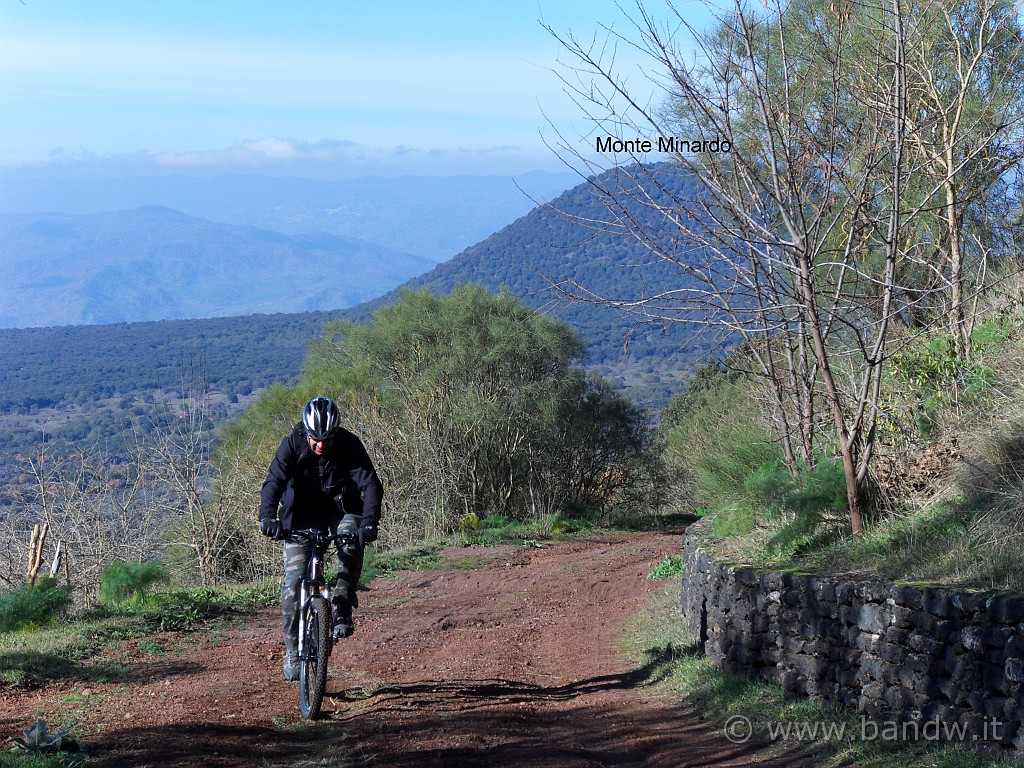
point(96, 384)
point(92, 384)
point(48, 367)
point(551, 259)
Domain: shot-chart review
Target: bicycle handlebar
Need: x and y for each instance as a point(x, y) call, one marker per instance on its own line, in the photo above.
point(318, 538)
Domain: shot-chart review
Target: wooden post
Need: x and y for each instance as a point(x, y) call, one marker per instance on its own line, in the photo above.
point(55, 566)
point(35, 551)
point(32, 554)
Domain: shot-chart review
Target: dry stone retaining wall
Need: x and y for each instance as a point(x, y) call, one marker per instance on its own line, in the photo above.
point(896, 653)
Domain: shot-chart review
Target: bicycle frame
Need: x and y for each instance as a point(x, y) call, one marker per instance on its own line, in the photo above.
point(315, 639)
point(313, 583)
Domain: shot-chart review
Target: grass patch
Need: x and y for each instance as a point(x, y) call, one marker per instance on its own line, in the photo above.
point(71, 650)
point(425, 557)
point(945, 543)
point(66, 652)
point(492, 531)
point(498, 530)
point(33, 606)
point(671, 658)
point(32, 760)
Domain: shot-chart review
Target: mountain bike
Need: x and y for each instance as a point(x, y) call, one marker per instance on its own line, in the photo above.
point(316, 617)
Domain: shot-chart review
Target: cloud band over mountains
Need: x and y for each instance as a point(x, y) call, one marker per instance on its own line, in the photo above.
point(324, 159)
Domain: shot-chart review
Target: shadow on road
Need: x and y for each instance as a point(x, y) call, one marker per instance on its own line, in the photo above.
point(468, 694)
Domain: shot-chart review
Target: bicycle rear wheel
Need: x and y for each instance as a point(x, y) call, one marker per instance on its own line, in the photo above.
point(313, 666)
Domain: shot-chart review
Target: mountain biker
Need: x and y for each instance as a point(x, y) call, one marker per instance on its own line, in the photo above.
point(322, 477)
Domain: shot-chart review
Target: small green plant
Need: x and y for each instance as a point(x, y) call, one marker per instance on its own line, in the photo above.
point(934, 378)
point(812, 508)
point(991, 335)
point(37, 740)
point(497, 529)
point(669, 568)
point(724, 482)
point(129, 582)
point(259, 594)
point(31, 606)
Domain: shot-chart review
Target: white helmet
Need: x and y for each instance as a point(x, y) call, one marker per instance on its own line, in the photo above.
point(321, 418)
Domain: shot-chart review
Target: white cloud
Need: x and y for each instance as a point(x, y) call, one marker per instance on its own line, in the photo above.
point(249, 153)
point(324, 159)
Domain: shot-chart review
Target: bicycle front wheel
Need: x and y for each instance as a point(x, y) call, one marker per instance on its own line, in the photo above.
point(313, 665)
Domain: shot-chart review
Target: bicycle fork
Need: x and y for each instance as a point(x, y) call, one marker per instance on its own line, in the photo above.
point(314, 579)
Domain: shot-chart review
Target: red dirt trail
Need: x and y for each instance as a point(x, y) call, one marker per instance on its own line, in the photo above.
point(516, 662)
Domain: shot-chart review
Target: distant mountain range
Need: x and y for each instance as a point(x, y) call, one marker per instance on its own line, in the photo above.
point(430, 216)
point(154, 263)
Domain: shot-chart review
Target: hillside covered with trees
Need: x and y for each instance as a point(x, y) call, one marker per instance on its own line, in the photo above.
point(85, 387)
point(579, 260)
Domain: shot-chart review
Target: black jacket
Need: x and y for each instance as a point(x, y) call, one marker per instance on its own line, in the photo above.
point(306, 484)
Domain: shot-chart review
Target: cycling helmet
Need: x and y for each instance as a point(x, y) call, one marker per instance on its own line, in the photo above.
point(321, 418)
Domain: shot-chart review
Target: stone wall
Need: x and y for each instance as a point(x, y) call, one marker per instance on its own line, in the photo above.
point(896, 653)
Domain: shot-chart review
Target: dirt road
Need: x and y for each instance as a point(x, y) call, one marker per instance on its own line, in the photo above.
point(515, 662)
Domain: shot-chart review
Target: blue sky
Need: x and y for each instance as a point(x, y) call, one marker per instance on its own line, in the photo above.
point(192, 84)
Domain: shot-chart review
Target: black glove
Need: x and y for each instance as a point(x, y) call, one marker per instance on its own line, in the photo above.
point(367, 533)
point(270, 527)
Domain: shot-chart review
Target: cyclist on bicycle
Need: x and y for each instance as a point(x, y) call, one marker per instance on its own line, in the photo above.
point(321, 477)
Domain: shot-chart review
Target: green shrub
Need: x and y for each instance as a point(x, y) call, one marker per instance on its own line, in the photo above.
point(771, 484)
point(496, 522)
point(814, 509)
point(991, 335)
point(717, 440)
point(469, 403)
point(732, 478)
point(129, 582)
point(261, 593)
point(755, 489)
point(932, 380)
point(32, 606)
point(177, 609)
point(670, 567)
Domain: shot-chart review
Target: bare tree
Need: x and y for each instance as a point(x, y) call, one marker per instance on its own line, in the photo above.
point(791, 124)
point(101, 511)
point(966, 72)
point(208, 519)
